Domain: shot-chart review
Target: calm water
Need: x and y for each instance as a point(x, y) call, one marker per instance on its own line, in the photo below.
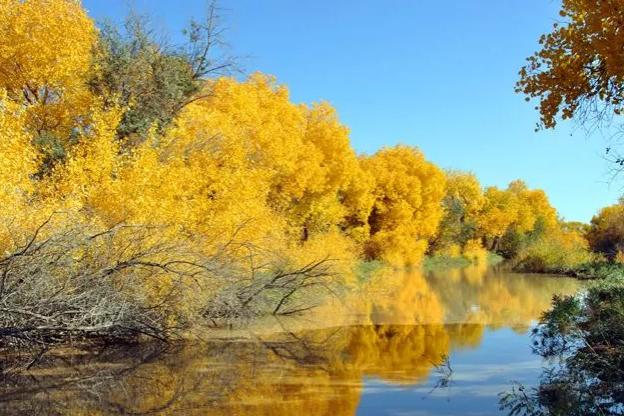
point(405, 344)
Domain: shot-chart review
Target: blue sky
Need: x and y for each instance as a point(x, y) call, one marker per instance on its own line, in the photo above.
point(431, 73)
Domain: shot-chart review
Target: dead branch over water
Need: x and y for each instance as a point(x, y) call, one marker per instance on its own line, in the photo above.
point(129, 281)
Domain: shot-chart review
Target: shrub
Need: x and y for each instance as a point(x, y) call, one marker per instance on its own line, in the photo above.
point(76, 281)
point(555, 252)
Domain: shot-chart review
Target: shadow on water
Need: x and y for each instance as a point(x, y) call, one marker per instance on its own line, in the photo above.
point(399, 328)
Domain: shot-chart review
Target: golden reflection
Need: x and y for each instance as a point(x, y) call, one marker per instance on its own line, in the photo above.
point(401, 298)
point(403, 354)
point(395, 327)
point(496, 298)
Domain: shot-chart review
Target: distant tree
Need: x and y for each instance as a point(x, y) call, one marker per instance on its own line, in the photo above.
point(499, 212)
point(407, 210)
point(462, 204)
point(512, 217)
point(606, 232)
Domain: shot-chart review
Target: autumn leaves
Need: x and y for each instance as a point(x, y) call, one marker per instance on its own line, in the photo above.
point(242, 161)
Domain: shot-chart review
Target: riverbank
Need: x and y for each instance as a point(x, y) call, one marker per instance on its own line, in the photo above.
point(593, 270)
point(597, 270)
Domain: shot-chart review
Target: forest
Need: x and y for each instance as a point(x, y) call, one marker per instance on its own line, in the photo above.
point(148, 189)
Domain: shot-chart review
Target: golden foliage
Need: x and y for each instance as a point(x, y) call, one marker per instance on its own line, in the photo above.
point(533, 208)
point(499, 212)
point(45, 60)
point(406, 213)
point(475, 252)
point(17, 164)
point(241, 167)
point(606, 231)
point(580, 64)
point(516, 208)
point(465, 189)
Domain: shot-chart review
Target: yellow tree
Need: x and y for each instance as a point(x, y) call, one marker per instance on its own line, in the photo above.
point(606, 232)
point(358, 199)
point(462, 204)
point(332, 167)
point(464, 187)
point(17, 166)
point(45, 62)
point(84, 181)
point(302, 154)
point(534, 209)
point(244, 162)
point(580, 67)
point(500, 210)
point(515, 211)
point(407, 210)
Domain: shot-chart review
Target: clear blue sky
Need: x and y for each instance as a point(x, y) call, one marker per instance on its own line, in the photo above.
point(431, 73)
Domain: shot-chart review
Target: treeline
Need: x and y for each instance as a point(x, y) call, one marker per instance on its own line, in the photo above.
point(144, 192)
point(518, 223)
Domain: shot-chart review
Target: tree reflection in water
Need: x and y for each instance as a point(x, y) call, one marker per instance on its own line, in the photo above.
point(398, 327)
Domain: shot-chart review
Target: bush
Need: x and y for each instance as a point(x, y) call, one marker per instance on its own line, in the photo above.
point(77, 281)
point(599, 269)
point(556, 252)
point(582, 338)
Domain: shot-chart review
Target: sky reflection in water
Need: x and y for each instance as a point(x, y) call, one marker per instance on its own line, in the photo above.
point(406, 343)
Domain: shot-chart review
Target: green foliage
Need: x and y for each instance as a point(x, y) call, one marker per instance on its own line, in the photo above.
point(600, 270)
point(550, 250)
point(493, 258)
point(549, 255)
point(441, 262)
point(149, 81)
point(152, 81)
point(514, 242)
point(365, 270)
point(52, 149)
point(586, 333)
point(456, 227)
point(462, 202)
point(596, 269)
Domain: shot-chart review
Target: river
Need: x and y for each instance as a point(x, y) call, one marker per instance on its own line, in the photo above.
point(405, 343)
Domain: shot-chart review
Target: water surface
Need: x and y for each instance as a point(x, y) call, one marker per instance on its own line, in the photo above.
point(406, 343)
